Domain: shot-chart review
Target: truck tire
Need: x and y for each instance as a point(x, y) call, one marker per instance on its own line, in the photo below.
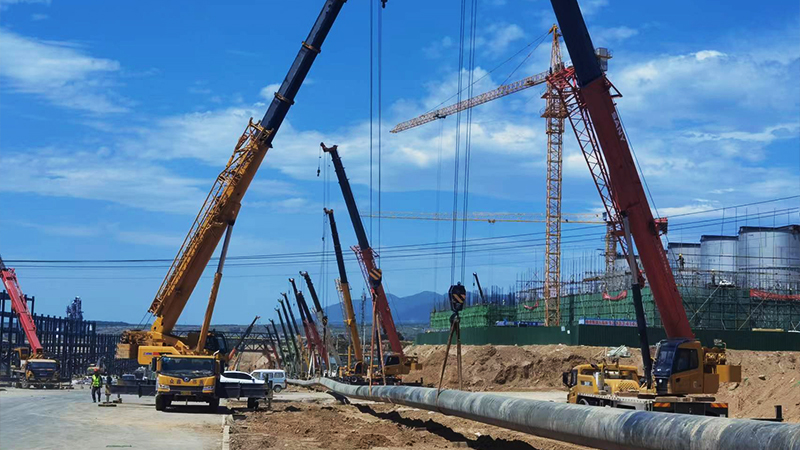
point(160, 402)
point(252, 403)
point(277, 389)
point(213, 404)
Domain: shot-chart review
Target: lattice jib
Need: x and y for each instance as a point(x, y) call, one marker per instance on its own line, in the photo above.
point(210, 215)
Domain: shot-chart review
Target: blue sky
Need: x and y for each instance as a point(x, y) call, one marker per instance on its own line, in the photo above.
point(116, 117)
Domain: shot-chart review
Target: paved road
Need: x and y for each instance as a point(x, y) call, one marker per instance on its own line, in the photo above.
point(67, 419)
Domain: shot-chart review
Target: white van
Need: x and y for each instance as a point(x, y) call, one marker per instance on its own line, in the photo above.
point(276, 376)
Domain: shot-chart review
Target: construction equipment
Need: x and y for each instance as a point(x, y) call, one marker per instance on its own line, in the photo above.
point(312, 335)
point(480, 289)
point(235, 355)
point(327, 339)
point(32, 368)
point(683, 367)
point(555, 114)
point(206, 350)
point(290, 338)
point(354, 368)
point(395, 363)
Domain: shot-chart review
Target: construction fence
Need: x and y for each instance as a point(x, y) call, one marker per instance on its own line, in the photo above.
point(717, 308)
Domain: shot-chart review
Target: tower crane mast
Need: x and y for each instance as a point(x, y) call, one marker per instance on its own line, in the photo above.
point(555, 114)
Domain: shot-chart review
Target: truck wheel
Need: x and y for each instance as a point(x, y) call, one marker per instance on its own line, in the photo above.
point(252, 403)
point(277, 389)
point(213, 404)
point(160, 403)
point(24, 384)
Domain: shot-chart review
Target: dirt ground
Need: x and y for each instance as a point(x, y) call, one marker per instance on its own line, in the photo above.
point(768, 378)
point(295, 426)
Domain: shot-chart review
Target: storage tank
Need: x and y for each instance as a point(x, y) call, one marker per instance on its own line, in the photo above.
point(769, 258)
point(718, 259)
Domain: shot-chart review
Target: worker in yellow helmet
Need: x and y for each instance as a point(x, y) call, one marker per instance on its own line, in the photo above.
point(97, 383)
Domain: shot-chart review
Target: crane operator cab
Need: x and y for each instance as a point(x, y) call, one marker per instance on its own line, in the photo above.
point(683, 366)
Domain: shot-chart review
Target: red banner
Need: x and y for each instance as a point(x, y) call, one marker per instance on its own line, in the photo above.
point(616, 298)
point(772, 296)
point(535, 305)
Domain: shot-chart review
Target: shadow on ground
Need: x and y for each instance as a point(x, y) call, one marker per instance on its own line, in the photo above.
point(480, 443)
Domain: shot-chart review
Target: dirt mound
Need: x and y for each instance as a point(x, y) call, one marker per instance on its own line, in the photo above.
point(503, 367)
point(251, 361)
point(768, 378)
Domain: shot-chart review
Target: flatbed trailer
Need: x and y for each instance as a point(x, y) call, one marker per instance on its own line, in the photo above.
point(696, 405)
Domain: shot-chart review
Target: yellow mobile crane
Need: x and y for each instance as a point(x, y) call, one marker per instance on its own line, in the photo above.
point(188, 368)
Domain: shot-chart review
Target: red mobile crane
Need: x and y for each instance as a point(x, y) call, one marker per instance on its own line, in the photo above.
point(682, 366)
point(315, 342)
point(396, 363)
point(34, 369)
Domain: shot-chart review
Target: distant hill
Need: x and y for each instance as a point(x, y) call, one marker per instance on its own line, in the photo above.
point(405, 310)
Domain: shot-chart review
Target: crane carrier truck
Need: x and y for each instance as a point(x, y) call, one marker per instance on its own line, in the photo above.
point(686, 373)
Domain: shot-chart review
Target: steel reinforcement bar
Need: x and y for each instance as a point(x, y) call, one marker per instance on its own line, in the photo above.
point(605, 428)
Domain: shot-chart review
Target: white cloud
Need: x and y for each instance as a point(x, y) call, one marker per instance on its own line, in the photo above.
point(268, 92)
point(607, 36)
point(591, 7)
point(438, 48)
point(7, 3)
point(37, 17)
point(498, 37)
point(100, 176)
point(58, 72)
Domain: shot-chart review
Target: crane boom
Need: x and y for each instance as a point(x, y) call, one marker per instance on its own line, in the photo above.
point(366, 255)
point(486, 97)
point(20, 306)
point(311, 329)
point(329, 343)
point(224, 200)
point(588, 97)
point(344, 285)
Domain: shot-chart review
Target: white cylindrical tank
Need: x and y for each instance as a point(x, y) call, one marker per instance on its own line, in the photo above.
point(718, 259)
point(769, 258)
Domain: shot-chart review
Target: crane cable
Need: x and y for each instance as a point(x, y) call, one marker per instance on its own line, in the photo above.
point(468, 141)
point(458, 144)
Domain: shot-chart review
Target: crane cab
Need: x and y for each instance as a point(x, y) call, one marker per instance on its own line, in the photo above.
point(684, 366)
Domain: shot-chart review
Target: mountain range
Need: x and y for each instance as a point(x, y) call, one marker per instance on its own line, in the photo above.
point(414, 308)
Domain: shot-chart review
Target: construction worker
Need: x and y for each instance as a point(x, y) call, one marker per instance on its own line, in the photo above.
point(108, 388)
point(97, 383)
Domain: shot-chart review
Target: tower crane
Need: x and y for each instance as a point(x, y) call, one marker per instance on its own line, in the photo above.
point(555, 114)
point(396, 363)
point(177, 355)
point(34, 368)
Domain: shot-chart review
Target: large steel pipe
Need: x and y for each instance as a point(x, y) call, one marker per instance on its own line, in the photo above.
point(606, 428)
